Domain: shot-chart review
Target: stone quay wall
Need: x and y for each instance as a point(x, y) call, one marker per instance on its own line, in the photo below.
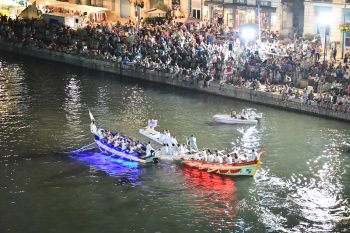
point(266, 98)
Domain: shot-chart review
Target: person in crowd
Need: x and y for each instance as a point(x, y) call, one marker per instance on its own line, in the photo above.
point(198, 54)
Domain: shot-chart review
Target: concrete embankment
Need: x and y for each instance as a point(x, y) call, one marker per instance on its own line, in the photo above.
point(227, 90)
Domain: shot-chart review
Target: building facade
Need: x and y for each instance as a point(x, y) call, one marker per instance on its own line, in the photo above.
point(276, 15)
point(324, 18)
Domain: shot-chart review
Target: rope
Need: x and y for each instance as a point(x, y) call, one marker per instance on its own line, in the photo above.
point(84, 147)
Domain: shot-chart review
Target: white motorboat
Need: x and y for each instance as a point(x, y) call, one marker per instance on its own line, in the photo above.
point(227, 119)
point(160, 138)
point(346, 145)
point(253, 114)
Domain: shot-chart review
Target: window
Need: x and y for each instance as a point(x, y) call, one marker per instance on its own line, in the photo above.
point(196, 13)
point(347, 35)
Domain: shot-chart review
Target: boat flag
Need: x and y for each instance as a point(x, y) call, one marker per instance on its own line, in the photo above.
point(152, 123)
point(91, 116)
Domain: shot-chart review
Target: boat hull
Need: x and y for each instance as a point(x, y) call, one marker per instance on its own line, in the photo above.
point(176, 157)
point(227, 119)
point(122, 154)
point(239, 169)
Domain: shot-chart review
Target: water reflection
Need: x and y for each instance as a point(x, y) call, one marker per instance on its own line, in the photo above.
point(137, 106)
point(72, 105)
point(314, 197)
point(13, 103)
point(215, 196)
point(126, 171)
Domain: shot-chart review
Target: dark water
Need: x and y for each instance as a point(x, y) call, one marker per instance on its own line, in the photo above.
point(303, 184)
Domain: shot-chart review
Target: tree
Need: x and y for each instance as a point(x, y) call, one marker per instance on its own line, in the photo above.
point(161, 6)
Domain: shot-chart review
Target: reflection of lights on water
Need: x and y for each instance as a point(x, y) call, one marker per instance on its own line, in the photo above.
point(115, 167)
point(214, 196)
point(72, 103)
point(12, 88)
point(316, 199)
point(137, 106)
point(250, 138)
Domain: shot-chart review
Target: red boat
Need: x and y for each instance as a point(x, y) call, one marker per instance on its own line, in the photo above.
point(235, 169)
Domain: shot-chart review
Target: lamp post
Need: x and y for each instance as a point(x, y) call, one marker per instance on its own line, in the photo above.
point(248, 34)
point(259, 26)
point(343, 38)
point(324, 19)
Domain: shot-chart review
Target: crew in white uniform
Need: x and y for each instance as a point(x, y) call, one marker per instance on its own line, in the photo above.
point(229, 159)
point(149, 149)
point(192, 141)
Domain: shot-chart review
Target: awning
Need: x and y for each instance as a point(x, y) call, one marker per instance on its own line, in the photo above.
point(231, 5)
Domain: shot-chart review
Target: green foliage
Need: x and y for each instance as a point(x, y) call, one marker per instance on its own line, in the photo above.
point(161, 6)
point(139, 3)
point(155, 20)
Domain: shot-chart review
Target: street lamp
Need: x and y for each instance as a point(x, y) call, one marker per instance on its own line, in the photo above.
point(324, 19)
point(248, 34)
point(343, 36)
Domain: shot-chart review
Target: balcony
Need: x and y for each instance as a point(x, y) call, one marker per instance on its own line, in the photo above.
point(265, 3)
point(239, 1)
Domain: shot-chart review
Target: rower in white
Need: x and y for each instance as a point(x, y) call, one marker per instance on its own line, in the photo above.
point(229, 159)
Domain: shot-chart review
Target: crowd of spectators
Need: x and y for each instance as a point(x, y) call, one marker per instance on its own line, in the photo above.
point(202, 53)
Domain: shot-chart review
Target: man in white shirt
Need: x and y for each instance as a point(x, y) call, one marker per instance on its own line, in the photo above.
point(229, 159)
point(149, 149)
point(193, 143)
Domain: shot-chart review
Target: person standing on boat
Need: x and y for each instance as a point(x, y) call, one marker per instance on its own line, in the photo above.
point(192, 141)
point(149, 149)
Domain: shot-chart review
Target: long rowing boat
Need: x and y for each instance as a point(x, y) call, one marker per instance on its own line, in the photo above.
point(241, 168)
point(236, 169)
point(138, 155)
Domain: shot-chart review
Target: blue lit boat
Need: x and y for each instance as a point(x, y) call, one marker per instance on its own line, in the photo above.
point(110, 149)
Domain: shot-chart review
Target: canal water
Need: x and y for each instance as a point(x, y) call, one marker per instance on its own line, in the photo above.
point(303, 184)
